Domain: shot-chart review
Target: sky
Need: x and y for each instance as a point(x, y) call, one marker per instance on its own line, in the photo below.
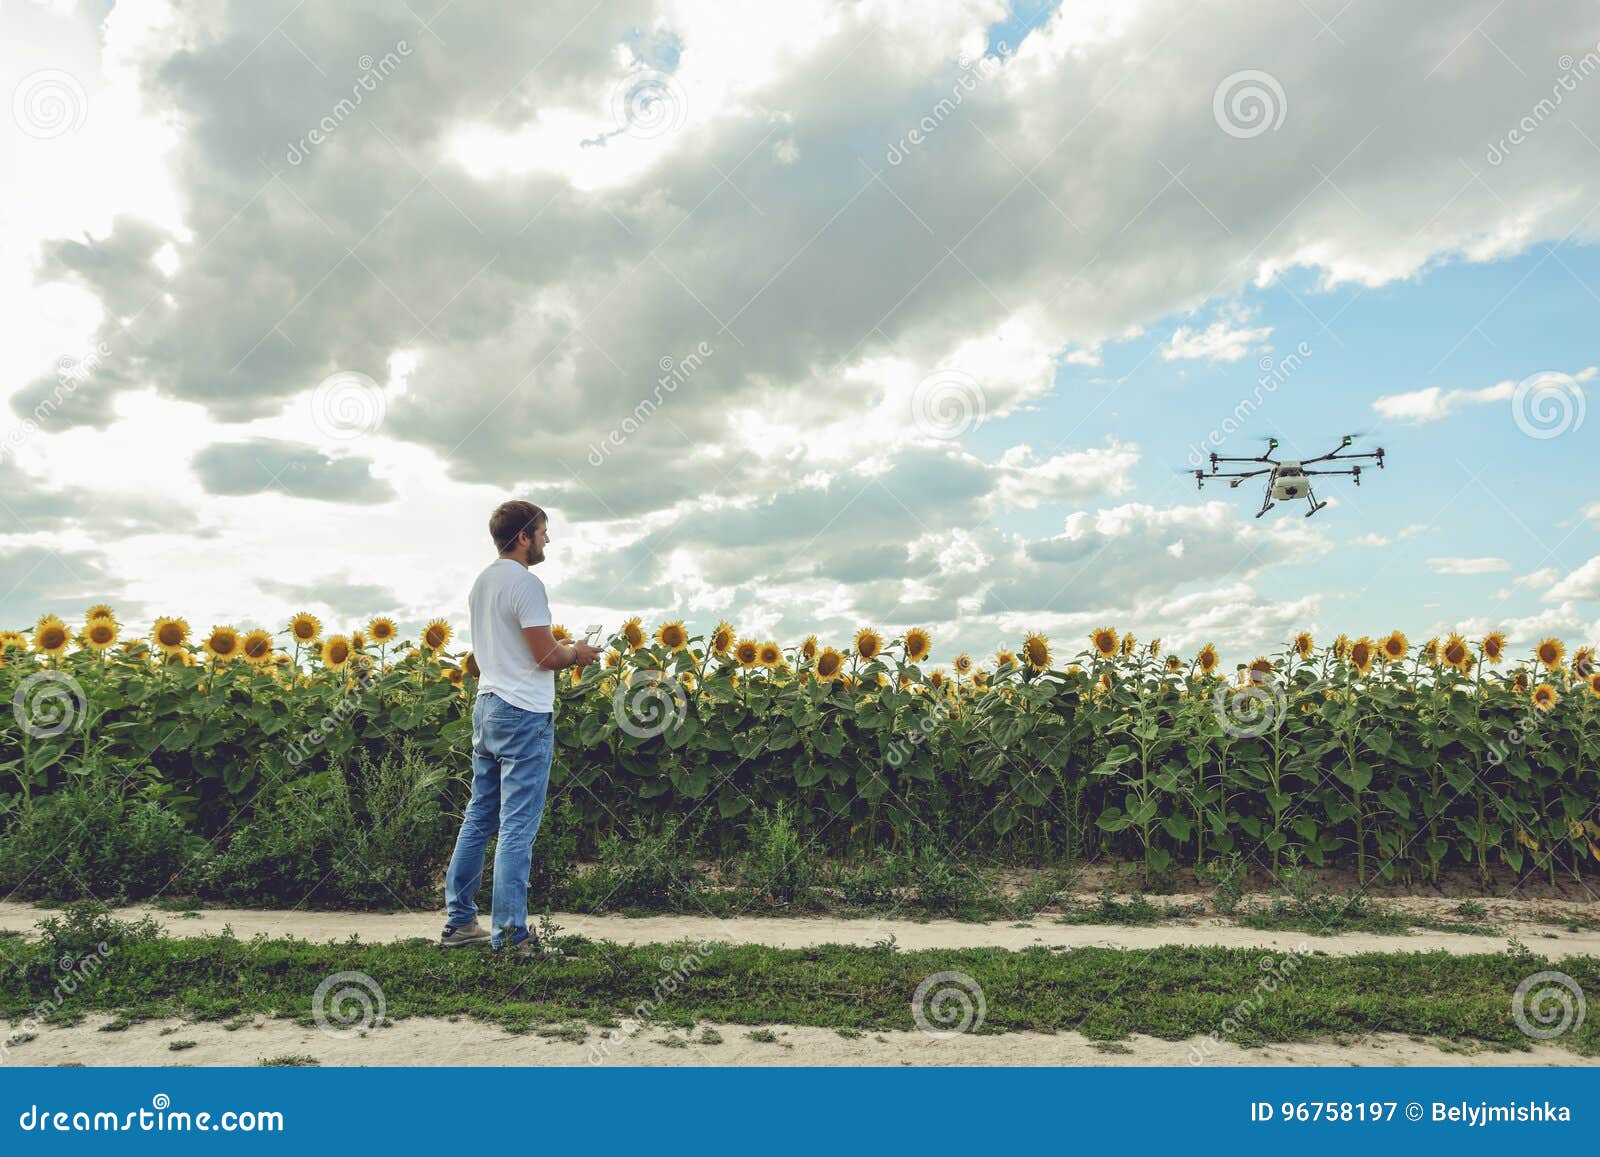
point(809, 317)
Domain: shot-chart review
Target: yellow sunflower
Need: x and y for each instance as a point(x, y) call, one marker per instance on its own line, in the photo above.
point(1341, 647)
point(1456, 653)
point(1207, 659)
point(336, 653)
point(808, 649)
point(613, 657)
point(868, 643)
point(305, 628)
point(50, 635)
point(436, 635)
point(1430, 651)
point(1545, 697)
point(1550, 653)
point(918, 644)
point(1260, 670)
point(99, 611)
point(980, 679)
point(963, 663)
point(559, 633)
point(1395, 647)
point(633, 633)
point(672, 636)
point(722, 639)
point(222, 644)
point(257, 647)
point(1583, 662)
point(1494, 646)
point(1128, 644)
point(1303, 646)
point(1520, 680)
point(829, 664)
point(1594, 684)
point(747, 652)
point(382, 630)
point(100, 633)
point(453, 674)
point(769, 655)
point(1036, 648)
point(1155, 648)
point(1174, 663)
point(936, 679)
point(170, 634)
point(358, 640)
point(1105, 642)
point(13, 641)
point(1004, 660)
point(1362, 652)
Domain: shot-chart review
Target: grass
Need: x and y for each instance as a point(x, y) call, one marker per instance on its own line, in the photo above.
point(1173, 993)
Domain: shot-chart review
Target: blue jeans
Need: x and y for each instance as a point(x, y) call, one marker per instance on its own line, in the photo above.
point(511, 751)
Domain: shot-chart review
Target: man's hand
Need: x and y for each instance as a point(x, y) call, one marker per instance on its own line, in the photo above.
point(584, 653)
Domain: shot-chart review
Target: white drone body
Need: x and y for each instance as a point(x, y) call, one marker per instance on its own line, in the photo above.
point(1289, 481)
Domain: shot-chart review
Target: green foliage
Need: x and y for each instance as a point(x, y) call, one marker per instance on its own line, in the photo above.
point(90, 839)
point(1402, 772)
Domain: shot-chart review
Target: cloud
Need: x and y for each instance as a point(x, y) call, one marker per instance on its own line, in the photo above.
point(1218, 342)
point(1464, 566)
point(263, 465)
point(1538, 579)
point(1581, 584)
point(347, 600)
point(1432, 404)
point(536, 286)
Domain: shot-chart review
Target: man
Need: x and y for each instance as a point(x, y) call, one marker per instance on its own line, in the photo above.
point(513, 731)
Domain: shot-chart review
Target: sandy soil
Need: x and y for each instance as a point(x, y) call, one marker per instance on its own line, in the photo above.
point(433, 1041)
point(1551, 941)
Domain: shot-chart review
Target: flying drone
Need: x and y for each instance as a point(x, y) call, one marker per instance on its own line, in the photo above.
point(1287, 481)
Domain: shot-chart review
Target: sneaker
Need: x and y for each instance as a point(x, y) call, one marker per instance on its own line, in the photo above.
point(461, 935)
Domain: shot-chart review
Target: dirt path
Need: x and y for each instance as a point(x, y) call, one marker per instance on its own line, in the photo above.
point(1551, 941)
point(434, 1041)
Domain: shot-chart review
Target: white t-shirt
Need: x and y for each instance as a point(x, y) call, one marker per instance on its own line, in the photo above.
point(506, 597)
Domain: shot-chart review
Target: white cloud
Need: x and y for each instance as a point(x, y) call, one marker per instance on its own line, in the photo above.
point(1432, 404)
point(1539, 579)
point(1218, 342)
point(1460, 566)
point(1583, 583)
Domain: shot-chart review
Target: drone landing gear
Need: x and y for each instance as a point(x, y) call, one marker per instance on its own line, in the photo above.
point(1315, 505)
point(1265, 506)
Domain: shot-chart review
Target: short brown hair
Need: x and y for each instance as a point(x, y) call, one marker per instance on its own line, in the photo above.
point(511, 519)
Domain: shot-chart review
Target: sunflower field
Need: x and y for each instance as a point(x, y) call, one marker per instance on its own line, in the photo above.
point(1394, 759)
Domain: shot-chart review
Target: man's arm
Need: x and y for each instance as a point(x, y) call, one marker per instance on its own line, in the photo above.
point(552, 654)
